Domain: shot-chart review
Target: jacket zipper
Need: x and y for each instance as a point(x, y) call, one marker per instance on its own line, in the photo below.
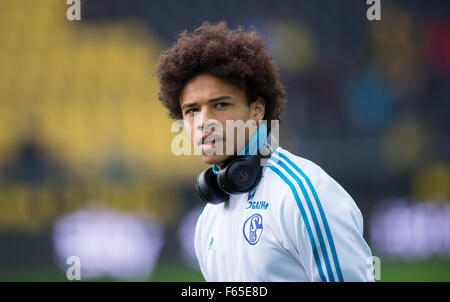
point(230, 239)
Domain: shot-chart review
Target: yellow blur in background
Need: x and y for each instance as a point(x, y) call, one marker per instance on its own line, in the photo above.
point(84, 92)
point(86, 96)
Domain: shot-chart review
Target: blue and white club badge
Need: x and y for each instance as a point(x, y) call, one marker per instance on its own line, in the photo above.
point(253, 228)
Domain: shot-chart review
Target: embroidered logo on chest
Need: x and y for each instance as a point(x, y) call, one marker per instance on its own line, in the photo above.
point(257, 205)
point(210, 243)
point(253, 228)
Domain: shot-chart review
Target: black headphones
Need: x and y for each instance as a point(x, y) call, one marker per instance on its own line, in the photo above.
point(239, 174)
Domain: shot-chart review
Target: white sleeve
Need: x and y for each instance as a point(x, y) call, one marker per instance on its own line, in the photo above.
point(329, 244)
point(198, 240)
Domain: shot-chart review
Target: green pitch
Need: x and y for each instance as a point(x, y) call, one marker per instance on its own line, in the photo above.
point(428, 270)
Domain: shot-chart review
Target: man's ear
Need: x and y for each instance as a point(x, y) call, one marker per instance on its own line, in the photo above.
point(258, 109)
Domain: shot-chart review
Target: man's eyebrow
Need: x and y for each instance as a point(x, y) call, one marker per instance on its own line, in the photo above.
point(217, 99)
point(220, 98)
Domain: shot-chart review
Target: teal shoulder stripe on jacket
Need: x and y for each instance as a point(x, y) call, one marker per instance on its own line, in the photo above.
point(322, 215)
point(305, 219)
point(312, 212)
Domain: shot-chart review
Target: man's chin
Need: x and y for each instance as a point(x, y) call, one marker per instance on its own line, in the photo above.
point(214, 159)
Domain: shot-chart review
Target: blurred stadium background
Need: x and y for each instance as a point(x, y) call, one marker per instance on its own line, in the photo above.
point(85, 161)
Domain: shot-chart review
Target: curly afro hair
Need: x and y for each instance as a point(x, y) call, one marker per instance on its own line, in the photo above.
point(237, 56)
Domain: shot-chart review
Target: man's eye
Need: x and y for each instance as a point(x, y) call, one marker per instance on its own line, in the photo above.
point(221, 105)
point(190, 111)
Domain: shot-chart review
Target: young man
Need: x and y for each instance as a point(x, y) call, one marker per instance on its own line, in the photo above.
point(296, 223)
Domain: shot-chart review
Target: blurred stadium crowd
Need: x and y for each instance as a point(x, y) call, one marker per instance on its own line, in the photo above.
point(85, 144)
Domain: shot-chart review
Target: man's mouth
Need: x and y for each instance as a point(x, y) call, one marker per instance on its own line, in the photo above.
point(210, 141)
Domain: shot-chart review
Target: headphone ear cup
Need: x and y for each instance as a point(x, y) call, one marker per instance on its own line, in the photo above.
point(240, 175)
point(208, 189)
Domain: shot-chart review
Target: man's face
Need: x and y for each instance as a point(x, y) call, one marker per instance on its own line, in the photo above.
point(207, 100)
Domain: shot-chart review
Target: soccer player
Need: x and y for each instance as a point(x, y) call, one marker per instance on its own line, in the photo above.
point(285, 220)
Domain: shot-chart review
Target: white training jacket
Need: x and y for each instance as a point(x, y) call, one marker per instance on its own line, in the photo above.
point(298, 224)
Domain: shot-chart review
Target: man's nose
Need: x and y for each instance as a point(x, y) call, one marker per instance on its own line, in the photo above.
point(203, 118)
